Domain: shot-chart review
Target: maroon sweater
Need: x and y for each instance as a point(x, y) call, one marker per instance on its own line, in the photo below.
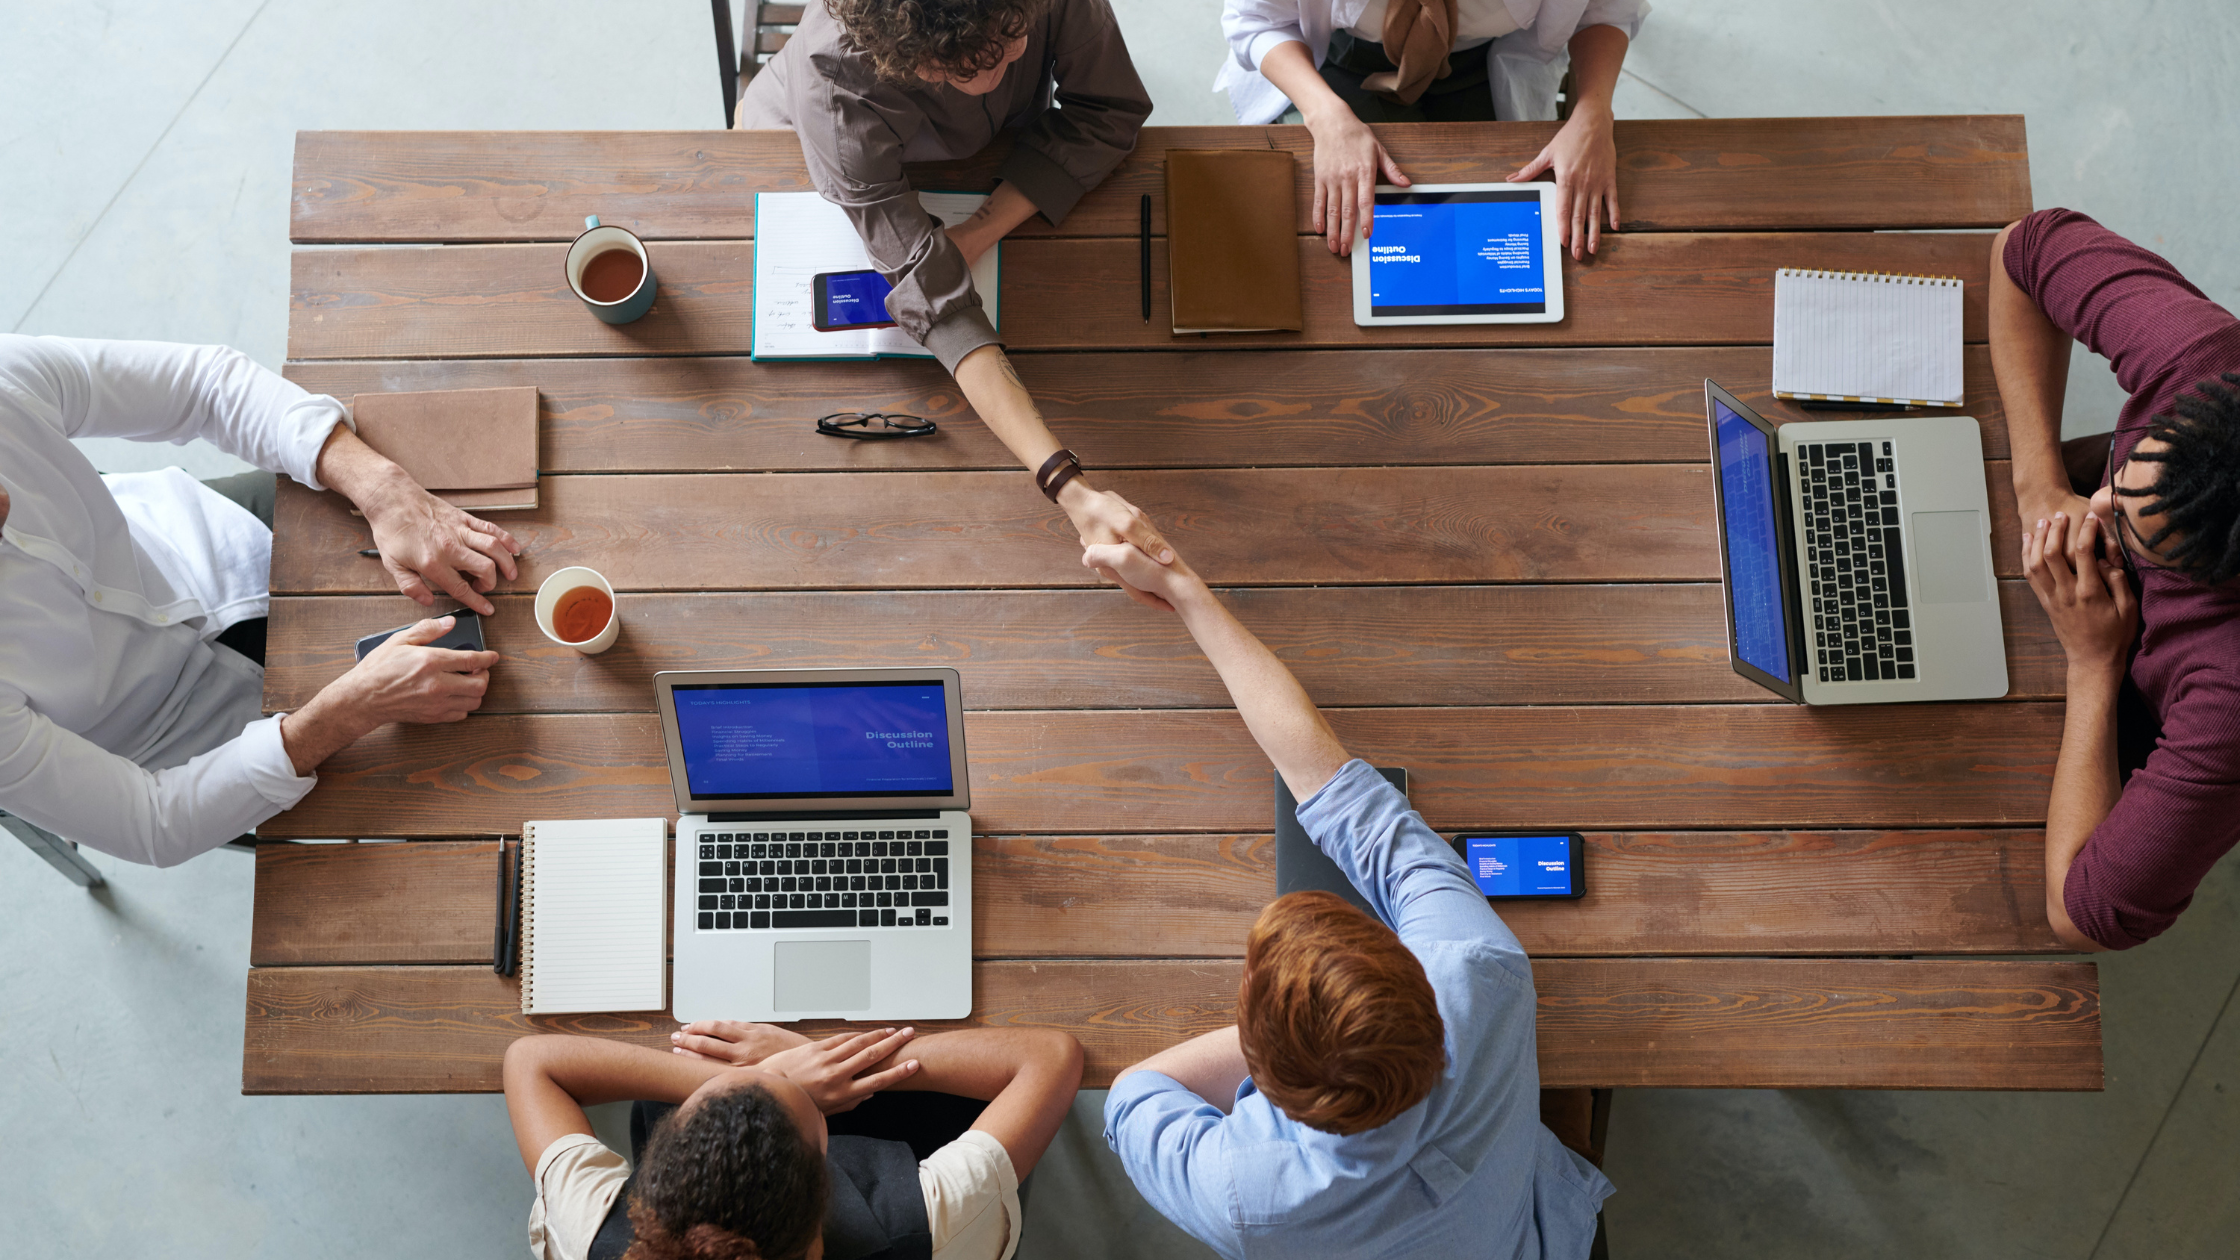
point(2181, 811)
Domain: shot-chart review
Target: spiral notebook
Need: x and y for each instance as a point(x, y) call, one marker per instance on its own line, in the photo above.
point(1861, 337)
point(593, 914)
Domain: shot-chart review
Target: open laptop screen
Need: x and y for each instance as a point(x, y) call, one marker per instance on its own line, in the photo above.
point(777, 741)
point(1753, 548)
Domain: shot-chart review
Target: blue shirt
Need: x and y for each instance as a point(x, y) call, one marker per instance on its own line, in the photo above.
point(1469, 1171)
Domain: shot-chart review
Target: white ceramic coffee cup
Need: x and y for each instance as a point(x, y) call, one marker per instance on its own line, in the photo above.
point(548, 597)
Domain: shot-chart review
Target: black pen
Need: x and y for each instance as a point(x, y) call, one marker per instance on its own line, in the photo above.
point(513, 911)
point(375, 552)
point(1144, 240)
point(498, 931)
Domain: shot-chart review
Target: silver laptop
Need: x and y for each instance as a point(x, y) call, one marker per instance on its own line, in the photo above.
point(1857, 556)
point(824, 856)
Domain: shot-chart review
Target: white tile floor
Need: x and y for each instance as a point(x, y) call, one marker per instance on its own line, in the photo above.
point(146, 148)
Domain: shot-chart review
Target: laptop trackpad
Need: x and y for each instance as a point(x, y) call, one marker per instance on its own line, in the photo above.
point(823, 976)
point(1948, 557)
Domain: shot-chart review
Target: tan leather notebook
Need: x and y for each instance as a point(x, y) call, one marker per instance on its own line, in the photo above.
point(476, 448)
point(1233, 241)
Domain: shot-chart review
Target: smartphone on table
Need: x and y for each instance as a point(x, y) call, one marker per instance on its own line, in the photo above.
point(465, 634)
point(850, 299)
point(1515, 865)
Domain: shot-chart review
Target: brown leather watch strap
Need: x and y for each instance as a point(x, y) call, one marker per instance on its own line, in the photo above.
point(1062, 467)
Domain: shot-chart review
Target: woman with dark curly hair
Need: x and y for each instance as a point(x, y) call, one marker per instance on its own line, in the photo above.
point(871, 84)
point(736, 1157)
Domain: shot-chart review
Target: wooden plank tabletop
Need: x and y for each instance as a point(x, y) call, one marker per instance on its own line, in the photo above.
point(1488, 551)
point(1680, 175)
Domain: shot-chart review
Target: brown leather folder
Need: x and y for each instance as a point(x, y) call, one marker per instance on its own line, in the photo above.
point(1233, 241)
point(476, 448)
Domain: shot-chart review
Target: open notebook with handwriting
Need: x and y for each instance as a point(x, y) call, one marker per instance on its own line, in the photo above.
point(798, 235)
point(594, 915)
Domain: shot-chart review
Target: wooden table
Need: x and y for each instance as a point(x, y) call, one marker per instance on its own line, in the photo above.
point(1495, 566)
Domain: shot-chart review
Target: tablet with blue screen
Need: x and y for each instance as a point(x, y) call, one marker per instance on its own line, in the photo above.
point(1460, 254)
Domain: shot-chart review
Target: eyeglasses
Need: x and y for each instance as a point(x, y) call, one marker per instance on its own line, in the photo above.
point(2124, 525)
point(859, 425)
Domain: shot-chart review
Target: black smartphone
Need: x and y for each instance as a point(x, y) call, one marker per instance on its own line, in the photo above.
point(1508, 865)
point(465, 634)
point(850, 299)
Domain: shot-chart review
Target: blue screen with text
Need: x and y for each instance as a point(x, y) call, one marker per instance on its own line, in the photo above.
point(855, 298)
point(1519, 866)
point(1476, 253)
point(1761, 623)
point(854, 740)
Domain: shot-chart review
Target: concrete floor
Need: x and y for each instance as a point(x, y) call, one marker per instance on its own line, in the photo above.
point(147, 149)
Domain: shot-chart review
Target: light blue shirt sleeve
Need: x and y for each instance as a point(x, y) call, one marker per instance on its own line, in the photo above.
point(1410, 875)
point(1175, 1150)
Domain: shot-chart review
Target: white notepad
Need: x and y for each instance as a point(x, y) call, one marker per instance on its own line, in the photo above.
point(1852, 336)
point(593, 915)
point(797, 235)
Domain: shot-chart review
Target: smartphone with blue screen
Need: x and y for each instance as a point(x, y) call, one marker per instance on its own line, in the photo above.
point(850, 299)
point(1513, 865)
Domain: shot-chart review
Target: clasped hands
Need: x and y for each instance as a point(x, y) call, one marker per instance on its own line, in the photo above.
point(837, 1073)
point(2076, 572)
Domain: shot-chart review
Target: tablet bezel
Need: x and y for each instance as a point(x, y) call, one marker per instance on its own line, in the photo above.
point(1551, 262)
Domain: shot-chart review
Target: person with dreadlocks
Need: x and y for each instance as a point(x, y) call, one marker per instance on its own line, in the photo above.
point(2131, 542)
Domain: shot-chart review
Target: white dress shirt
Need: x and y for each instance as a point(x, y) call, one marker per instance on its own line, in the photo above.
point(1525, 62)
point(122, 725)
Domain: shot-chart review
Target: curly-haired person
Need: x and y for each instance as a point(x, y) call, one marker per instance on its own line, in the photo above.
point(1379, 1093)
point(2131, 542)
point(751, 1142)
point(871, 84)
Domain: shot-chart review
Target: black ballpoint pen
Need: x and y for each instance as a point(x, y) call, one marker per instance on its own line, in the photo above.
point(1144, 240)
point(513, 908)
point(498, 933)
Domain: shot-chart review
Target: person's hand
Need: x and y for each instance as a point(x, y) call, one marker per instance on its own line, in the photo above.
point(1584, 155)
point(405, 681)
point(1161, 585)
point(730, 1041)
point(2037, 510)
point(2087, 597)
point(425, 542)
point(1347, 161)
point(832, 1070)
point(1101, 516)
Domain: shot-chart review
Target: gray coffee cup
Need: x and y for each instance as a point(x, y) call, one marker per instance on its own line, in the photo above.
point(604, 252)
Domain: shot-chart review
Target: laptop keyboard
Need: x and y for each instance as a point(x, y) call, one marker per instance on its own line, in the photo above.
point(1862, 629)
point(861, 878)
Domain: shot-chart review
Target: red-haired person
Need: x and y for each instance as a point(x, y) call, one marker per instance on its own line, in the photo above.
point(1379, 1094)
point(751, 1142)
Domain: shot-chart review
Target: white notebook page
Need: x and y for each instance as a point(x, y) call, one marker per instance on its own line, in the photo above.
point(593, 916)
point(797, 235)
point(1853, 335)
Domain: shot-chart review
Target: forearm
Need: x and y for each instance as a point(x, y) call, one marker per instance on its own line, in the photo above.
point(1028, 1076)
point(1275, 708)
point(1210, 1065)
point(2086, 784)
point(1598, 53)
point(550, 1079)
point(1291, 68)
point(361, 474)
point(996, 393)
point(328, 723)
point(2030, 360)
point(1005, 210)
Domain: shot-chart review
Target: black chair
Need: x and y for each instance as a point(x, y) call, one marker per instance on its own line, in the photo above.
point(773, 26)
